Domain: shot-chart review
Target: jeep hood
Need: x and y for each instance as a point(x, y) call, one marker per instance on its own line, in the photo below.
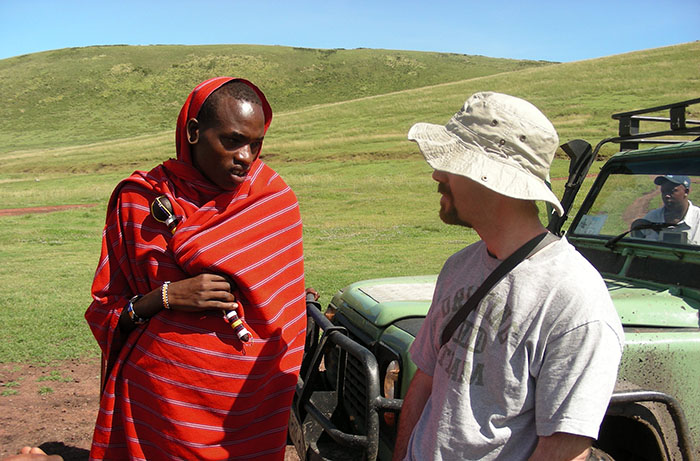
point(645, 306)
point(384, 301)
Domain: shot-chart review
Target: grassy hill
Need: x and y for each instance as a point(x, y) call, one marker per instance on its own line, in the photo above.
point(578, 97)
point(111, 92)
point(77, 121)
point(63, 123)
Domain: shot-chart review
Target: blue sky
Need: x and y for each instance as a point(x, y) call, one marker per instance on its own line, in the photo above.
point(560, 30)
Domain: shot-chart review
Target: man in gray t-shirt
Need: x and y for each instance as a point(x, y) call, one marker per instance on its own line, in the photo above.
point(529, 373)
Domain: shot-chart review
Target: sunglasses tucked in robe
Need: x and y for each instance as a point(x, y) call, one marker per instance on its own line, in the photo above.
point(182, 385)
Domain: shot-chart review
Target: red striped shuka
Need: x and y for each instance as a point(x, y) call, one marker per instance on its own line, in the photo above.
point(183, 386)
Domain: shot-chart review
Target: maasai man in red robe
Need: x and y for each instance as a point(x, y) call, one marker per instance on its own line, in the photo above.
point(179, 382)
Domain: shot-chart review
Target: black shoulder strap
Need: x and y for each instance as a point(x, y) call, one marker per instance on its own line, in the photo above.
point(528, 249)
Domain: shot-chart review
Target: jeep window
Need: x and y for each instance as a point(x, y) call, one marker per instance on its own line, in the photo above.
point(629, 204)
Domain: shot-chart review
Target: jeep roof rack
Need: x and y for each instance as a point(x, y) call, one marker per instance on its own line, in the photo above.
point(629, 136)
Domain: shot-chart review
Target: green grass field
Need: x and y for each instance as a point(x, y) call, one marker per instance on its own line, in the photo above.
point(79, 120)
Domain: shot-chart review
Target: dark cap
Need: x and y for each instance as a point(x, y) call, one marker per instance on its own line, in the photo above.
point(675, 179)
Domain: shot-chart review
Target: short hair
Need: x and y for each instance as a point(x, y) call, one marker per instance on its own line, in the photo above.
point(235, 89)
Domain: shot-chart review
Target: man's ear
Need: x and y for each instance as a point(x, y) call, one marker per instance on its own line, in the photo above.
point(192, 131)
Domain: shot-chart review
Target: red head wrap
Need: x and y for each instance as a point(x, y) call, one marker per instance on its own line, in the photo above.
point(194, 102)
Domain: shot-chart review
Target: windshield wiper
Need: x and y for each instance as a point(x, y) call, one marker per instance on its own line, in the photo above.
point(642, 225)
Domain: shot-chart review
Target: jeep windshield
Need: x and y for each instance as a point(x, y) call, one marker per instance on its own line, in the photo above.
point(652, 202)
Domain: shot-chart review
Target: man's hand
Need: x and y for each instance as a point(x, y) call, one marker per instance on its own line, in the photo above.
point(201, 293)
point(561, 446)
point(314, 293)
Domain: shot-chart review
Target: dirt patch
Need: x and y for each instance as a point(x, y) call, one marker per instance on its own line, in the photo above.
point(639, 207)
point(53, 407)
point(50, 209)
point(41, 209)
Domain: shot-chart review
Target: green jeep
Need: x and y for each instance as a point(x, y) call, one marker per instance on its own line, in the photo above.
point(356, 366)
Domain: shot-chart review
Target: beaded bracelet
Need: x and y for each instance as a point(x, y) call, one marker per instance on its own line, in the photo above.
point(164, 294)
point(138, 320)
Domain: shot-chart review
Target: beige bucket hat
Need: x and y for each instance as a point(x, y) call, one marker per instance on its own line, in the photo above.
point(500, 141)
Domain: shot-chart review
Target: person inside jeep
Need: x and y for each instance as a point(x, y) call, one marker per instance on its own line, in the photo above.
point(528, 373)
point(677, 211)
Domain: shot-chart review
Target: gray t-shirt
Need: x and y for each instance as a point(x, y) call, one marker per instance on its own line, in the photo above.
point(539, 355)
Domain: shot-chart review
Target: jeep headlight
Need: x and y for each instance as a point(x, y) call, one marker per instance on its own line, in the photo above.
point(330, 312)
point(391, 378)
